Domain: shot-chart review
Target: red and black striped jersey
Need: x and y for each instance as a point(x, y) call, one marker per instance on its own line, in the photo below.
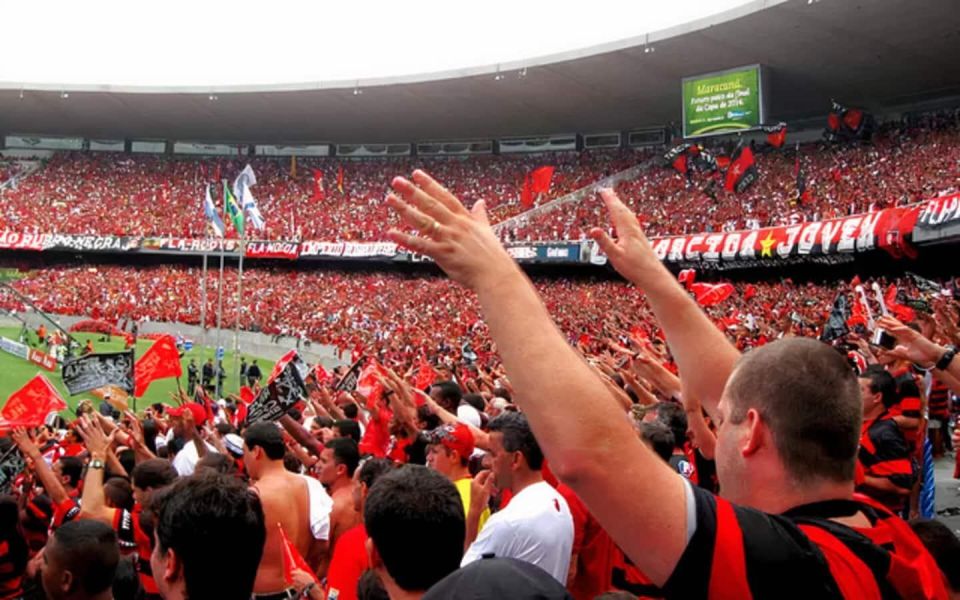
point(739, 553)
point(884, 453)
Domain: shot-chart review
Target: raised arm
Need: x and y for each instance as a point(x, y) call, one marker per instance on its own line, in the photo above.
point(914, 347)
point(633, 493)
point(48, 479)
point(94, 501)
point(704, 355)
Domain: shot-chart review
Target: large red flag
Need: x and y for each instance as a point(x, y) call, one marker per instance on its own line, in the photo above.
point(709, 294)
point(526, 194)
point(540, 180)
point(160, 361)
point(368, 383)
point(426, 375)
point(318, 194)
point(30, 405)
point(292, 560)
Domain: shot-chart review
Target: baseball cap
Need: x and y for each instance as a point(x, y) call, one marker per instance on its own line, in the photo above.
point(233, 444)
point(199, 413)
point(497, 578)
point(455, 436)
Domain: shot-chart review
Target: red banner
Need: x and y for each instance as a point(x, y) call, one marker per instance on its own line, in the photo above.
point(884, 229)
point(21, 241)
point(160, 361)
point(30, 405)
point(42, 359)
point(285, 250)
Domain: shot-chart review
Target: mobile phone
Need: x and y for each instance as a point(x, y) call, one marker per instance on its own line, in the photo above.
point(883, 339)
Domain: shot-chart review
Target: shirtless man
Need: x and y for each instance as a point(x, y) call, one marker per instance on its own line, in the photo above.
point(299, 504)
point(337, 463)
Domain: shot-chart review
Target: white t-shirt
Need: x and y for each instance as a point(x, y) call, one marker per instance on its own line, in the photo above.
point(320, 507)
point(535, 527)
point(186, 460)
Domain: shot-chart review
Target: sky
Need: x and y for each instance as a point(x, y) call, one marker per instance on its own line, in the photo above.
point(209, 43)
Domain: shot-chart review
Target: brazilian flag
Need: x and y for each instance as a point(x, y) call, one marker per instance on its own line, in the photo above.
point(232, 209)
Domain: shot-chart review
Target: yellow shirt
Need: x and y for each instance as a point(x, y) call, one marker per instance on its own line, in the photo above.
point(463, 486)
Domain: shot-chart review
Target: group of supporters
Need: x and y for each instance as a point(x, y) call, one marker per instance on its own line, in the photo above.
point(575, 442)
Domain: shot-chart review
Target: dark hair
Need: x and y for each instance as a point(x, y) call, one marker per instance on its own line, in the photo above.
point(809, 397)
point(943, 545)
point(10, 533)
point(158, 407)
point(345, 452)
point(450, 394)
point(295, 414)
point(883, 383)
point(223, 428)
point(414, 516)
point(128, 459)
point(502, 392)
point(218, 463)
point(150, 432)
point(660, 438)
point(88, 549)
point(430, 420)
point(369, 587)
point(350, 410)
point(324, 421)
point(153, 474)
point(518, 437)
point(119, 492)
point(474, 400)
point(292, 463)
point(673, 416)
point(265, 435)
point(372, 469)
point(348, 429)
point(126, 581)
point(197, 517)
point(72, 468)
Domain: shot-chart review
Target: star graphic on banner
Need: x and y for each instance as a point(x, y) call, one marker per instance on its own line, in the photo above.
point(766, 245)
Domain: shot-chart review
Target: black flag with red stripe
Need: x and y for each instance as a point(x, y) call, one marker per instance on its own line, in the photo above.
point(803, 194)
point(742, 172)
point(676, 157)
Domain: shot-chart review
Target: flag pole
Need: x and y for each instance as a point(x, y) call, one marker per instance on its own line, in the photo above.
point(203, 308)
point(219, 316)
point(236, 324)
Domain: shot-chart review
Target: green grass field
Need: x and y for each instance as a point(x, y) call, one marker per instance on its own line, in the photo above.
point(14, 371)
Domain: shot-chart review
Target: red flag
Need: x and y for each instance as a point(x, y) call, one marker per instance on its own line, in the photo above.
point(281, 364)
point(30, 405)
point(833, 122)
point(687, 277)
point(368, 383)
point(426, 375)
point(160, 361)
point(903, 313)
point(742, 172)
point(292, 560)
point(246, 394)
point(318, 194)
point(723, 161)
point(776, 134)
point(540, 180)
point(750, 291)
point(320, 375)
point(340, 178)
point(708, 294)
point(526, 194)
point(853, 118)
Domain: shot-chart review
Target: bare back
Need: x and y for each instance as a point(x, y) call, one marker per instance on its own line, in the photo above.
point(286, 500)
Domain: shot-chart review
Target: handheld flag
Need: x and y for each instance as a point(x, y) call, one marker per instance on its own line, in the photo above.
point(776, 134)
point(742, 172)
point(340, 178)
point(526, 193)
point(160, 361)
point(30, 405)
point(232, 209)
point(213, 217)
point(836, 326)
point(250, 208)
point(318, 185)
point(540, 179)
point(292, 560)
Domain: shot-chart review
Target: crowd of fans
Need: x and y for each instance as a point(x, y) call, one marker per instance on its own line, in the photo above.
point(84, 192)
point(555, 439)
point(903, 164)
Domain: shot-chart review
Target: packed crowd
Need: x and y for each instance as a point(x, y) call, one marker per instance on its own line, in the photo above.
point(903, 164)
point(83, 193)
point(615, 445)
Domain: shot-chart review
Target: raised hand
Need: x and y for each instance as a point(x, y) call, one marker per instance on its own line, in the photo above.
point(96, 441)
point(25, 443)
point(460, 241)
point(911, 345)
point(631, 253)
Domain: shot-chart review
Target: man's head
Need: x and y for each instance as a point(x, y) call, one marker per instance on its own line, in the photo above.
point(346, 428)
point(365, 476)
point(659, 438)
point(878, 390)
point(414, 517)
point(338, 460)
point(447, 394)
point(513, 449)
point(674, 417)
point(262, 444)
point(208, 539)
point(449, 449)
point(80, 560)
point(790, 413)
point(70, 471)
point(151, 475)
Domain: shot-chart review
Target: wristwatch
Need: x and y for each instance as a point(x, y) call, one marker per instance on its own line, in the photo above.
point(96, 463)
point(946, 359)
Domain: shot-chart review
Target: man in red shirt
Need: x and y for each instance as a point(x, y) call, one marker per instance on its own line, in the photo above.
point(350, 558)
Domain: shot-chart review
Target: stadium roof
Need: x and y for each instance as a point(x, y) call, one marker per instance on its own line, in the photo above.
point(871, 53)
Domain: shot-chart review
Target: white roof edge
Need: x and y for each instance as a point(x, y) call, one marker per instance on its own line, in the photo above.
point(649, 38)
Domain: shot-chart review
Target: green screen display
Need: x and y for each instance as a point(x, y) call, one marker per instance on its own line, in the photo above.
point(722, 102)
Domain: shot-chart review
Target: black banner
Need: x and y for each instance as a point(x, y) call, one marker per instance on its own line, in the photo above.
point(348, 383)
point(280, 394)
point(11, 465)
point(97, 370)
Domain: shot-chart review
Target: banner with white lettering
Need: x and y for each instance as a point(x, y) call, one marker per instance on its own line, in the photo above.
point(348, 249)
point(191, 245)
point(98, 370)
point(286, 250)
